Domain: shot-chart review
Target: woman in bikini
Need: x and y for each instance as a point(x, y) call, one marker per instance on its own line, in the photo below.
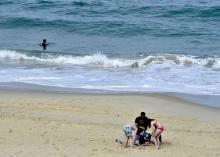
point(157, 128)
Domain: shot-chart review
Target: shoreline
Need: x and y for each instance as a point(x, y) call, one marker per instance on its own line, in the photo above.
point(199, 99)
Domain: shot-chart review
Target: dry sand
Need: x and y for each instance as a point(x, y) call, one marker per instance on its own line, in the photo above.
point(34, 124)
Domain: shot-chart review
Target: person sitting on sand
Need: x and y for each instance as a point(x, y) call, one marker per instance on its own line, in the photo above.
point(130, 133)
point(44, 44)
point(157, 128)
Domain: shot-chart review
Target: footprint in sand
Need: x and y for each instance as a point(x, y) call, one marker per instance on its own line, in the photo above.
point(10, 131)
point(46, 141)
point(55, 147)
point(94, 150)
point(43, 134)
point(18, 153)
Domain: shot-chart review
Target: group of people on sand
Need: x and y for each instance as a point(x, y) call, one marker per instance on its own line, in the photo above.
point(137, 134)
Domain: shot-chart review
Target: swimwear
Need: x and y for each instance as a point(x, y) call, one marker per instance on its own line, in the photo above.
point(161, 129)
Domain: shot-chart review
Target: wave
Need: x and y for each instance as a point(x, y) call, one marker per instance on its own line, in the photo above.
point(45, 4)
point(101, 27)
point(89, 4)
point(101, 60)
point(107, 28)
point(6, 2)
point(41, 4)
point(211, 12)
point(25, 22)
point(108, 19)
point(192, 12)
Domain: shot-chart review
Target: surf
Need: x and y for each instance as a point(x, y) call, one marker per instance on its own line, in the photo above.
point(101, 60)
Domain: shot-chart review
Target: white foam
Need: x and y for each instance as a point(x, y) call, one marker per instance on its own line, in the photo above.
point(158, 73)
point(13, 55)
point(37, 78)
point(101, 60)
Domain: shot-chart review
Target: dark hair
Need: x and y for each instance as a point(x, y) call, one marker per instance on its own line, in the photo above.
point(143, 114)
point(44, 40)
point(149, 122)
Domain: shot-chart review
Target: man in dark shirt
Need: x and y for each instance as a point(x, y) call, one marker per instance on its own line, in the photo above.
point(142, 123)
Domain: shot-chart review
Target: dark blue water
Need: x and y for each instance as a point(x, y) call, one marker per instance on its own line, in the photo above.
point(126, 45)
point(116, 27)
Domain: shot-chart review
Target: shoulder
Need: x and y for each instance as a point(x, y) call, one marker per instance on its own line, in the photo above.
point(133, 125)
point(153, 121)
point(138, 118)
point(145, 118)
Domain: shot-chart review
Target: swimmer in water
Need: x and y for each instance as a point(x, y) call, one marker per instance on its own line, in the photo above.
point(44, 44)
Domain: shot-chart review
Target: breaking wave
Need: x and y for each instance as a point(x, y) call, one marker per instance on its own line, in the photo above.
point(101, 60)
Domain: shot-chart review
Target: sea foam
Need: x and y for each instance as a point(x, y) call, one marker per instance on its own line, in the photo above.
point(101, 60)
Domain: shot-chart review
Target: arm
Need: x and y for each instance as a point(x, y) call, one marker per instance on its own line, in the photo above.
point(134, 132)
point(134, 127)
point(136, 122)
point(126, 143)
point(153, 129)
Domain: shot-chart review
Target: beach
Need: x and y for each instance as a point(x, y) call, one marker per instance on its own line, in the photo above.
point(103, 63)
point(58, 124)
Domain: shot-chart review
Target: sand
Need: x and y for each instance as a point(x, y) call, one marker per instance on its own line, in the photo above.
point(43, 124)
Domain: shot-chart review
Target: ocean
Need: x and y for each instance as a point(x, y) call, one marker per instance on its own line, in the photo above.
point(122, 46)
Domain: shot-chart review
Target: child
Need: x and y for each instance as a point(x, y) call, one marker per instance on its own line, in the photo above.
point(130, 133)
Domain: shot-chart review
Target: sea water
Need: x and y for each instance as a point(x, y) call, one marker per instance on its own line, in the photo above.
point(126, 45)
